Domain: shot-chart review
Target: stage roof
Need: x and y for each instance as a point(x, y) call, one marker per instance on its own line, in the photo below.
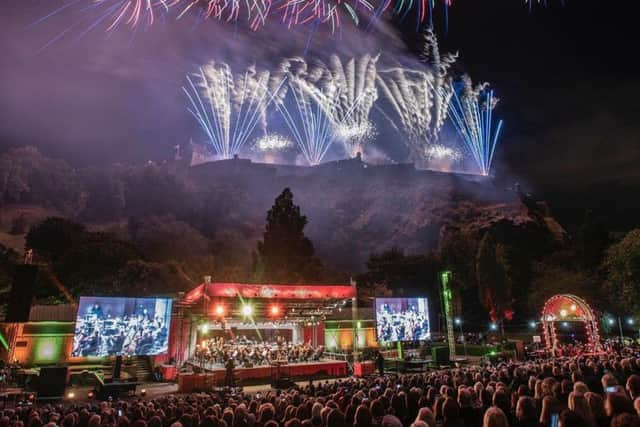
point(269, 291)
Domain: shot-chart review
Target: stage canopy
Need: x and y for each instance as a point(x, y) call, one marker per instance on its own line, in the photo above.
point(293, 302)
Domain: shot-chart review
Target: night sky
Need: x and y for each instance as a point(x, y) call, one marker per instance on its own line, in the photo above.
point(566, 77)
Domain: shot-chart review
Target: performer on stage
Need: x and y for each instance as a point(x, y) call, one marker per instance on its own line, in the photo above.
point(229, 366)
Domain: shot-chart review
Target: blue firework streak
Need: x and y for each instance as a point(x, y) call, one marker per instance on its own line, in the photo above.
point(471, 112)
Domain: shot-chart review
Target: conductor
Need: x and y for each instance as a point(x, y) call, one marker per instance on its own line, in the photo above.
point(229, 366)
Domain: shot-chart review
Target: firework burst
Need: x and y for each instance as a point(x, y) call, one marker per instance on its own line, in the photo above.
point(347, 93)
point(420, 98)
point(309, 124)
point(273, 142)
point(439, 153)
point(228, 107)
point(471, 113)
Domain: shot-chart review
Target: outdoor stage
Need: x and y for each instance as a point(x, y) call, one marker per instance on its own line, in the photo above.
point(261, 374)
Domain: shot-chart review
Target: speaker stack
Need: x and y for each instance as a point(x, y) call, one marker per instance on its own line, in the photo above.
point(52, 382)
point(21, 294)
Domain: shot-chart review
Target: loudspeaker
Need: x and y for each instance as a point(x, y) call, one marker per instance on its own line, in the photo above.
point(52, 382)
point(117, 368)
point(21, 294)
point(440, 355)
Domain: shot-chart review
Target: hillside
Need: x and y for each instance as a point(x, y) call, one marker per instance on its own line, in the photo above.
point(355, 209)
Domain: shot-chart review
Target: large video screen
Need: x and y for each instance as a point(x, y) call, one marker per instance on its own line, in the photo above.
point(122, 327)
point(402, 319)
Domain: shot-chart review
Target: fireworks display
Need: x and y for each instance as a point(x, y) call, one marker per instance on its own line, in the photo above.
point(228, 107)
point(347, 94)
point(471, 113)
point(272, 142)
point(310, 126)
point(420, 98)
point(440, 153)
point(323, 103)
point(112, 14)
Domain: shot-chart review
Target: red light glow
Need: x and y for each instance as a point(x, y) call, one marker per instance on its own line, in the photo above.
point(275, 310)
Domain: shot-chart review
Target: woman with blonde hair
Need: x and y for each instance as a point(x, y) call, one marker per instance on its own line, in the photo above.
point(494, 417)
point(580, 387)
point(578, 404)
point(596, 404)
point(426, 415)
point(548, 407)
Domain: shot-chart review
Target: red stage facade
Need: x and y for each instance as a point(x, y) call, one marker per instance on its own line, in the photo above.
point(285, 292)
point(301, 308)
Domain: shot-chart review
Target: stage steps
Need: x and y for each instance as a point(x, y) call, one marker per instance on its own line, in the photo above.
point(138, 367)
point(141, 365)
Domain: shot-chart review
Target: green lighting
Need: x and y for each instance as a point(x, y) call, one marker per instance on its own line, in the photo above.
point(48, 350)
point(4, 342)
point(359, 324)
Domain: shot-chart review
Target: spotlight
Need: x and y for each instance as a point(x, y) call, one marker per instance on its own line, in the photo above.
point(532, 324)
point(247, 310)
point(143, 392)
point(565, 324)
point(91, 394)
point(457, 321)
point(493, 326)
point(563, 313)
point(71, 395)
point(611, 321)
point(574, 307)
point(204, 328)
point(274, 310)
point(629, 321)
point(219, 310)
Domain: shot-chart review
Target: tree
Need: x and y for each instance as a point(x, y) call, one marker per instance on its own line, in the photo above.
point(51, 238)
point(404, 275)
point(163, 238)
point(552, 278)
point(105, 195)
point(91, 264)
point(494, 282)
point(285, 253)
point(622, 265)
point(139, 277)
point(591, 242)
point(26, 176)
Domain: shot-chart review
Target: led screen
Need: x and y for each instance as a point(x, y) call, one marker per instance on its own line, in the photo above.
point(107, 326)
point(402, 319)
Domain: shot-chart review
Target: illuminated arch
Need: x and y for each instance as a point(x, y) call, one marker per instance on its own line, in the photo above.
point(569, 308)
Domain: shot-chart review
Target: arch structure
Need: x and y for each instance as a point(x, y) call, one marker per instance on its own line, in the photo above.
point(568, 308)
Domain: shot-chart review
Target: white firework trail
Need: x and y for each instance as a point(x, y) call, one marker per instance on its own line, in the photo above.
point(420, 98)
point(309, 124)
point(347, 92)
point(256, 11)
point(471, 111)
point(228, 107)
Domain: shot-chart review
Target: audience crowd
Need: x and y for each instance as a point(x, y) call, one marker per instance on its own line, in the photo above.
point(572, 392)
